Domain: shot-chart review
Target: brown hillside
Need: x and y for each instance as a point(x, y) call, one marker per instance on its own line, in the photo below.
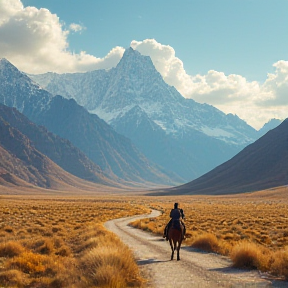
point(21, 164)
point(261, 165)
point(59, 150)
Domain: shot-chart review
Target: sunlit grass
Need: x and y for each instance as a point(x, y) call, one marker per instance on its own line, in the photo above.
point(62, 243)
point(57, 242)
point(251, 230)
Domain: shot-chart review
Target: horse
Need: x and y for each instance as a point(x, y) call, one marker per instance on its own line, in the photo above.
point(175, 237)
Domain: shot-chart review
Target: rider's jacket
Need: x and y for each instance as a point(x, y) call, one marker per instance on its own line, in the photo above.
point(176, 214)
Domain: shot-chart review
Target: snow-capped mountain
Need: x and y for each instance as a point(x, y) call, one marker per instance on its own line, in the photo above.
point(19, 91)
point(116, 155)
point(261, 165)
point(136, 82)
point(179, 134)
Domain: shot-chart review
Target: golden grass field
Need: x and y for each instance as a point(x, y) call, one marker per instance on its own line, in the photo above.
point(251, 228)
point(61, 242)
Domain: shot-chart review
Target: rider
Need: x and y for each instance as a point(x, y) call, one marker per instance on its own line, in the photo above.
point(175, 214)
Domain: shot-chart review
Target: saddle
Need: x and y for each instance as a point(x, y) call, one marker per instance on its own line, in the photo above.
point(176, 224)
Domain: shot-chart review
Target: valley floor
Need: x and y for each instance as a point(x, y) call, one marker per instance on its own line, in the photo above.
point(195, 269)
point(39, 229)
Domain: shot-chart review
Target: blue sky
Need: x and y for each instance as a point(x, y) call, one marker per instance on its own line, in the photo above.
point(231, 54)
point(234, 36)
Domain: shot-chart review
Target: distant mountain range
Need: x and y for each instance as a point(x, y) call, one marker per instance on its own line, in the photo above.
point(117, 157)
point(161, 138)
point(273, 123)
point(261, 165)
point(178, 134)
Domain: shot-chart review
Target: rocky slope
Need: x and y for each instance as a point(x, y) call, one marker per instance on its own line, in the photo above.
point(261, 165)
point(21, 164)
point(59, 150)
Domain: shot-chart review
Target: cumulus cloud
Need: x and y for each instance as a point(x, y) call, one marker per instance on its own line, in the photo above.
point(276, 86)
point(35, 41)
point(9, 8)
point(251, 101)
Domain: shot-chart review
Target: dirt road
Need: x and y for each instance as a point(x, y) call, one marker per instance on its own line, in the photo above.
point(195, 269)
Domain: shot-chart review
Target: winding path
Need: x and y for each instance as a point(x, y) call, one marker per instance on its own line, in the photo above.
point(195, 269)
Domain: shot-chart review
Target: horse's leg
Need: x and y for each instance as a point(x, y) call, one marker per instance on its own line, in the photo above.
point(174, 244)
point(172, 255)
point(178, 249)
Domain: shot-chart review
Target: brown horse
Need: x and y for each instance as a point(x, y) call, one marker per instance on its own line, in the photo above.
point(175, 237)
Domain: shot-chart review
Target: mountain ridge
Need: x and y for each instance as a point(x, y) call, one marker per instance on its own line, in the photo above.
point(195, 137)
point(117, 156)
point(21, 164)
point(59, 150)
point(261, 165)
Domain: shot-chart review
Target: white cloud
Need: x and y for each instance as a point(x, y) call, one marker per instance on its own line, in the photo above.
point(76, 27)
point(35, 41)
point(8, 9)
point(276, 86)
point(251, 101)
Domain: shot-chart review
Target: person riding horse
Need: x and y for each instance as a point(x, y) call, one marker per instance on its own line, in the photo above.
point(175, 214)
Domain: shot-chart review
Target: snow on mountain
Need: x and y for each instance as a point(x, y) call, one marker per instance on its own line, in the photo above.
point(135, 81)
point(19, 91)
point(117, 156)
point(179, 134)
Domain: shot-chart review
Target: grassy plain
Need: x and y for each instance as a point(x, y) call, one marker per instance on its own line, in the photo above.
point(251, 228)
point(60, 242)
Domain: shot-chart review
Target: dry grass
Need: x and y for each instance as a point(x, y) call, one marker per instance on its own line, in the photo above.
point(251, 255)
point(62, 243)
point(207, 242)
point(251, 229)
point(55, 243)
point(279, 265)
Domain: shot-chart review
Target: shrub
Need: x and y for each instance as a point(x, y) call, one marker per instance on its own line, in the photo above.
point(279, 266)
point(28, 262)
point(64, 251)
point(250, 255)
point(13, 277)
point(8, 229)
point(11, 249)
point(207, 242)
point(111, 266)
point(46, 248)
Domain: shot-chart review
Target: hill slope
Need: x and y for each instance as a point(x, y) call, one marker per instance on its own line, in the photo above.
point(114, 153)
point(59, 150)
point(261, 165)
point(21, 164)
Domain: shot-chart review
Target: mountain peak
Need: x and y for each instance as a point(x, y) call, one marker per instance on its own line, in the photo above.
point(19, 91)
point(271, 124)
point(3, 60)
point(130, 51)
point(134, 58)
point(5, 64)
